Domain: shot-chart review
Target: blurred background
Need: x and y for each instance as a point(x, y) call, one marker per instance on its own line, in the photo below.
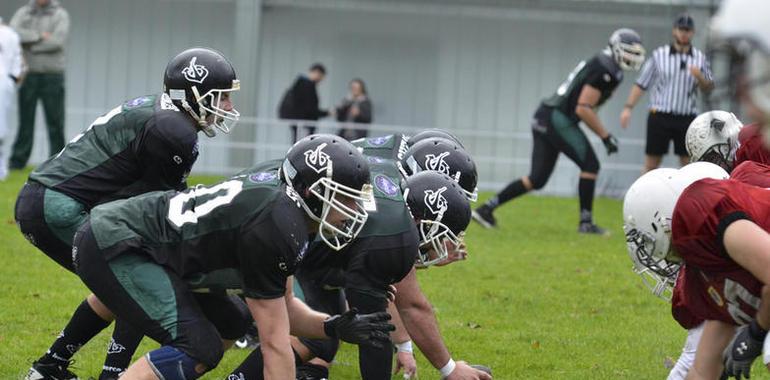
point(478, 68)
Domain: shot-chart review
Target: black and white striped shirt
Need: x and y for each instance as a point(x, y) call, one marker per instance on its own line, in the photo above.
point(672, 88)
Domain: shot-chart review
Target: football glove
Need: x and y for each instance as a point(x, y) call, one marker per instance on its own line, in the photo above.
point(611, 144)
point(362, 329)
point(744, 348)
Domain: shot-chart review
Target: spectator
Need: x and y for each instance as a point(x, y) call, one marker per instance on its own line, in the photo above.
point(355, 108)
point(673, 73)
point(300, 102)
point(43, 26)
point(10, 75)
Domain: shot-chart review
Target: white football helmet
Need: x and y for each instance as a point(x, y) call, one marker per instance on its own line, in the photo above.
point(713, 137)
point(647, 210)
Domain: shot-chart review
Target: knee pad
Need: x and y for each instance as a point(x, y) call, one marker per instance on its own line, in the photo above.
point(324, 349)
point(169, 363)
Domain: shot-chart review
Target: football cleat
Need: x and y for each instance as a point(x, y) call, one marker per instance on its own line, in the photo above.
point(593, 229)
point(247, 342)
point(483, 215)
point(53, 371)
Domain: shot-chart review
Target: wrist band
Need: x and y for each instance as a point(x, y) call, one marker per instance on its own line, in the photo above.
point(628, 106)
point(447, 369)
point(404, 347)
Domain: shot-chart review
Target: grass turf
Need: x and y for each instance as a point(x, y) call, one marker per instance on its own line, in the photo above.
point(534, 300)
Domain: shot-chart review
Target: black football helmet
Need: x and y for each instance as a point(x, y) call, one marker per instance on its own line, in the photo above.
point(442, 212)
point(323, 173)
point(431, 133)
point(444, 156)
point(196, 80)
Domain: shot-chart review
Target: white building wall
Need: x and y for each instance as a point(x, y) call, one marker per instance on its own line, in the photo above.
point(479, 70)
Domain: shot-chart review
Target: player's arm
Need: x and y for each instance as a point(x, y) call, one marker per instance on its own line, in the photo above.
point(420, 321)
point(749, 245)
point(588, 99)
point(305, 321)
point(167, 160)
point(708, 358)
point(403, 342)
point(272, 320)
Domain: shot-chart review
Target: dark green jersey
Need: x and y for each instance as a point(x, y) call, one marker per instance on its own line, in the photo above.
point(389, 215)
point(392, 147)
point(600, 72)
point(145, 144)
point(248, 223)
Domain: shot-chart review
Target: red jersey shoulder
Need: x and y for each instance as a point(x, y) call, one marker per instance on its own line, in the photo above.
point(752, 147)
point(752, 173)
point(731, 297)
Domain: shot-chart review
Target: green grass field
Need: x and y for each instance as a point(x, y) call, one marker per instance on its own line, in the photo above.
point(535, 300)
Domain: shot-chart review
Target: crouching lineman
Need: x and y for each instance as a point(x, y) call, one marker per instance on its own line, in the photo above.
point(146, 144)
point(138, 255)
point(717, 231)
point(384, 253)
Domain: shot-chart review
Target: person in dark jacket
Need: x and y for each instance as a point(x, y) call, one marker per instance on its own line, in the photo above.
point(354, 108)
point(300, 102)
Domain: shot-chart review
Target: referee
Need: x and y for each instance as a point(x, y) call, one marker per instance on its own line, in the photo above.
point(673, 73)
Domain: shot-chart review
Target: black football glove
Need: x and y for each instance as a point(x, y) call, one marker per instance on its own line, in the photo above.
point(362, 329)
point(744, 348)
point(611, 144)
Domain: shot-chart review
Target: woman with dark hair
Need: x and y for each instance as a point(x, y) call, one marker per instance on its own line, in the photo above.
point(354, 108)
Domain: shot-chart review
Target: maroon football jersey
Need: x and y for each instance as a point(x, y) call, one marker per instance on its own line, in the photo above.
point(679, 309)
point(715, 287)
point(753, 173)
point(752, 147)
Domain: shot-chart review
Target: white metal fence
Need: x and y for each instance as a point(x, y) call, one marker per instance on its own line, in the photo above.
point(269, 138)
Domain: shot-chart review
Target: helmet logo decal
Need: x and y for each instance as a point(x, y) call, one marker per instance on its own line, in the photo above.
point(437, 163)
point(436, 202)
point(195, 73)
point(316, 159)
point(386, 185)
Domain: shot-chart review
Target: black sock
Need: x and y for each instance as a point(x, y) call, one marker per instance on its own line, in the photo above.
point(513, 190)
point(314, 371)
point(125, 340)
point(586, 188)
point(83, 326)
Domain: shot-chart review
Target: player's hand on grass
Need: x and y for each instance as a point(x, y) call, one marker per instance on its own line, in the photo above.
point(741, 352)
point(362, 329)
point(455, 253)
point(463, 371)
point(405, 361)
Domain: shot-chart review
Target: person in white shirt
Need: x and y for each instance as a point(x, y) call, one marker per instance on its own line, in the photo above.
point(10, 76)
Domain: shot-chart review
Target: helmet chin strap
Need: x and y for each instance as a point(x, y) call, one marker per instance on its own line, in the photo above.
point(200, 118)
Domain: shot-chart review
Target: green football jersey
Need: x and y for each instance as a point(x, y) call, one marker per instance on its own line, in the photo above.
point(600, 72)
point(249, 222)
point(145, 144)
point(392, 147)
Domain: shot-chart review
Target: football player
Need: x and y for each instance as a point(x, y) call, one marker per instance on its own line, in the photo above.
point(145, 144)
point(428, 217)
point(555, 127)
point(717, 231)
point(144, 256)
